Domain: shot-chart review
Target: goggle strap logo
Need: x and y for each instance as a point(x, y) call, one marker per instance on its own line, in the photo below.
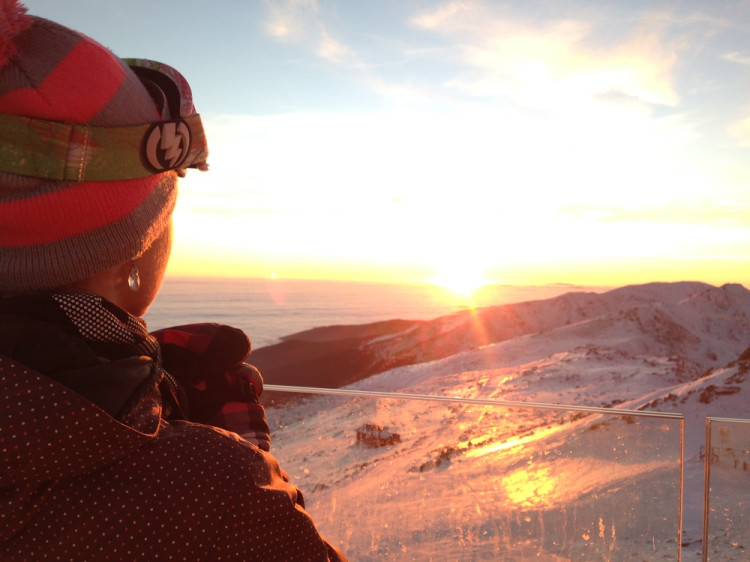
point(166, 145)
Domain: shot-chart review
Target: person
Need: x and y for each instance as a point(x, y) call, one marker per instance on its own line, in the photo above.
point(116, 443)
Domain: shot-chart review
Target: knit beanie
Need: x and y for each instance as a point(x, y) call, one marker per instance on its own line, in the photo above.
point(90, 149)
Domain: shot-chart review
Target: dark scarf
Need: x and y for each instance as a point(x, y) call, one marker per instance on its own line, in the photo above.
point(84, 342)
point(106, 326)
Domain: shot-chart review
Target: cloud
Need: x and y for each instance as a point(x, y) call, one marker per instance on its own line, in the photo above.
point(740, 131)
point(554, 62)
point(331, 49)
point(737, 57)
point(289, 20)
point(682, 212)
point(300, 21)
point(454, 15)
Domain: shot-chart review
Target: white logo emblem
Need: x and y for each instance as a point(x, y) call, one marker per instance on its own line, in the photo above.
point(166, 145)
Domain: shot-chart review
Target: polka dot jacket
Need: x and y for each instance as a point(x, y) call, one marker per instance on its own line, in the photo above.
point(76, 483)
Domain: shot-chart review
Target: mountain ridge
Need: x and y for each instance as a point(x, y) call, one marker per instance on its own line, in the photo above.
point(702, 325)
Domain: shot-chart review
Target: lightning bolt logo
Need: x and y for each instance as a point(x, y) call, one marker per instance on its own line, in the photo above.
point(166, 145)
point(170, 143)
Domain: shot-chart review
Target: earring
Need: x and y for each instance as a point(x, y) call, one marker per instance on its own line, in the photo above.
point(134, 279)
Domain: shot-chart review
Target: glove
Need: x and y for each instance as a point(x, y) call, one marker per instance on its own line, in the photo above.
point(222, 390)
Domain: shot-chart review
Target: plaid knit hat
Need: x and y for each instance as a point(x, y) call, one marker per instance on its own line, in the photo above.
point(90, 149)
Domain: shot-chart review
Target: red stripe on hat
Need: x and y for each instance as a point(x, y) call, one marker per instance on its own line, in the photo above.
point(76, 90)
point(76, 209)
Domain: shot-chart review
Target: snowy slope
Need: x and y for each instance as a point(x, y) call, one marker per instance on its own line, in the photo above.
point(703, 326)
point(674, 348)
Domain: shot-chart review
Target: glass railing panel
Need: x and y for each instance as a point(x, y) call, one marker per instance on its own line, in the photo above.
point(726, 516)
point(403, 477)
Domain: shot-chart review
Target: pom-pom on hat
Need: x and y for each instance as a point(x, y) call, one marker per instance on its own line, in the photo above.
point(90, 149)
point(13, 20)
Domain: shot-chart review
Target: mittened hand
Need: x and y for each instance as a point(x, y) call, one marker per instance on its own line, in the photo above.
point(196, 351)
point(222, 390)
point(244, 415)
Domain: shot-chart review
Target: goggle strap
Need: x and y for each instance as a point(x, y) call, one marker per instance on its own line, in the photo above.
point(64, 152)
point(165, 89)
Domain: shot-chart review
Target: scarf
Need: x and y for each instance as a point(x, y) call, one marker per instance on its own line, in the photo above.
point(106, 326)
point(88, 344)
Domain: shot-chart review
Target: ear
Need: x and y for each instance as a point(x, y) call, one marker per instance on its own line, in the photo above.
point(112, 284)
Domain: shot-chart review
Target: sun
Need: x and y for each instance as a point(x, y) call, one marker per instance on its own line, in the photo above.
point(462, 281)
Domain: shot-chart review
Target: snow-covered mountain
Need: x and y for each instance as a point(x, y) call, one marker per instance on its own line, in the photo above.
point(693, 326)
point(632, 346)
point(673, 348)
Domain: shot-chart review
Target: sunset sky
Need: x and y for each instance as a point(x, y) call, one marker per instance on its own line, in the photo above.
point(598, 142)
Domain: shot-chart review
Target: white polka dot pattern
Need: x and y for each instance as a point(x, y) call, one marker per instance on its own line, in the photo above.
point(96, 323)
point(78, 485)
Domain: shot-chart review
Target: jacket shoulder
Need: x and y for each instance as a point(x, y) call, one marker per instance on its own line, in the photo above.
point(186, 490)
